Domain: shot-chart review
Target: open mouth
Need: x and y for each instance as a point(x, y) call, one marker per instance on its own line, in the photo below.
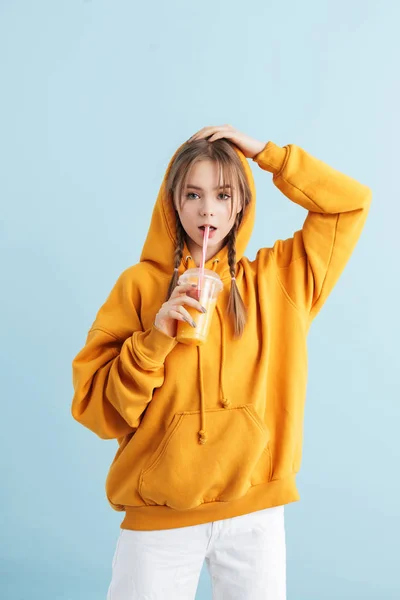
point(211, 233)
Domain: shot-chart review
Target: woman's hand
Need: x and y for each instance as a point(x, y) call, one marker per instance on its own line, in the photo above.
point(248, 145)
point(173, 310)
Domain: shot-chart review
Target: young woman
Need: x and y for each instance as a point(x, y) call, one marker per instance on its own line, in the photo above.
point(210, 437)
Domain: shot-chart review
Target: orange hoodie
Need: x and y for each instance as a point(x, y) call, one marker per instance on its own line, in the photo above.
point(135, 384)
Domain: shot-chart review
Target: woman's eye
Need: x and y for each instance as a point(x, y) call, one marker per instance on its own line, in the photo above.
point(221, 196)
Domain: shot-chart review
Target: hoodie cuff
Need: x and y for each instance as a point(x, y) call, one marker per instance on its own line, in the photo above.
point(271, 158)
point(153, 346)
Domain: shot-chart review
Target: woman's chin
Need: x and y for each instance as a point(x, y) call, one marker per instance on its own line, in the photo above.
point(214, 245)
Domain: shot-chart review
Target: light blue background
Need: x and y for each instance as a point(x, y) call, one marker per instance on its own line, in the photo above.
point(95, 98)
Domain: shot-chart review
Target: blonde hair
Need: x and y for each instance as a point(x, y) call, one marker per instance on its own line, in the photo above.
point(223, 153)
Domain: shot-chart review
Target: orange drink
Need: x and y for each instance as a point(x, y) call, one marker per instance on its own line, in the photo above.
point(207, 296)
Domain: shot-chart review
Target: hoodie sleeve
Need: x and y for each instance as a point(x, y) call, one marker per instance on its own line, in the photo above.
point(310, 263)
point(115, 373)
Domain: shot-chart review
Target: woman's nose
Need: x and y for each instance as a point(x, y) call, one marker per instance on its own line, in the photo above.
point(207, 209)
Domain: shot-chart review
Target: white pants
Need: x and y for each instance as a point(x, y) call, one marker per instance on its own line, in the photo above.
point(245, 557)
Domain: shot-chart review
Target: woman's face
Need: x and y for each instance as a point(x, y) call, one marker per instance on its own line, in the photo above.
point(203, 203)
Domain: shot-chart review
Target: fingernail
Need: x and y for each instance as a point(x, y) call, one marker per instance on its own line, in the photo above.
point(193, 324)
point(194, 284)
point(203, 310)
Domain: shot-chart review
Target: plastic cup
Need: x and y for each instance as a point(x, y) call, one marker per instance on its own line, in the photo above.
point(211, 287)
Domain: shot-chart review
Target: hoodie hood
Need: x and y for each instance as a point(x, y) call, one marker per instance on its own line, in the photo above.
point(160, 243)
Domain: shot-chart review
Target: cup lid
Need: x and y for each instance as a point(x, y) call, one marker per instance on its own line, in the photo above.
point(207, 274)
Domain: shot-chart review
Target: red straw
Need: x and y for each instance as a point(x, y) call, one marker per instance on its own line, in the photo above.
point(203, 258)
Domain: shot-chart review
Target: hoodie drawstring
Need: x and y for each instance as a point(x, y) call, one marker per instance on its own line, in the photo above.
point(224, 401)
point(202, 433)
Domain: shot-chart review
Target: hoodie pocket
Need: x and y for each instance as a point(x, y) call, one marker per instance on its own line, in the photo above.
point(184, 474)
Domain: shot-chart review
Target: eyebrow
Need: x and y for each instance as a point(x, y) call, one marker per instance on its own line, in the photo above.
point(195, 187)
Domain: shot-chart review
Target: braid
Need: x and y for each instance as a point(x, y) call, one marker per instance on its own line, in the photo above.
point(236, 307)
point(232, 251)
point(180, 240)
